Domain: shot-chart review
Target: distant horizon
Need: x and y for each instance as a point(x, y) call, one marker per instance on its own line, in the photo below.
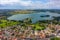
point(30, 9)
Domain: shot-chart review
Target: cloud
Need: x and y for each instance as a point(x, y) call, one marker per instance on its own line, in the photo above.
point(25, 3)
point(12, 2)
point(8, 1)
point(29, 4)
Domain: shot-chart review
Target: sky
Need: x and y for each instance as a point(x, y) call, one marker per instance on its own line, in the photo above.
point(29, 4)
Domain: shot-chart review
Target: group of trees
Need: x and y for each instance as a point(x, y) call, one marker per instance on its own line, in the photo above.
point(6, 23)
point(38, 27)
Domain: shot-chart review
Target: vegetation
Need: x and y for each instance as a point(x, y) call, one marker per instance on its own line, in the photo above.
point(26, 23)
point(6, 23)
point(21, 12)
point(38, 26)
point(55, 38)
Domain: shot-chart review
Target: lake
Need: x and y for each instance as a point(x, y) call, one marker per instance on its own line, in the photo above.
point(34, 16)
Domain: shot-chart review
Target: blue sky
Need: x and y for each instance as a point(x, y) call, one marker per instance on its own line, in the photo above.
point(29, 4)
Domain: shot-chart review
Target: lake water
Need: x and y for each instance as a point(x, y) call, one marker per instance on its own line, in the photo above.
point(34, 16)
